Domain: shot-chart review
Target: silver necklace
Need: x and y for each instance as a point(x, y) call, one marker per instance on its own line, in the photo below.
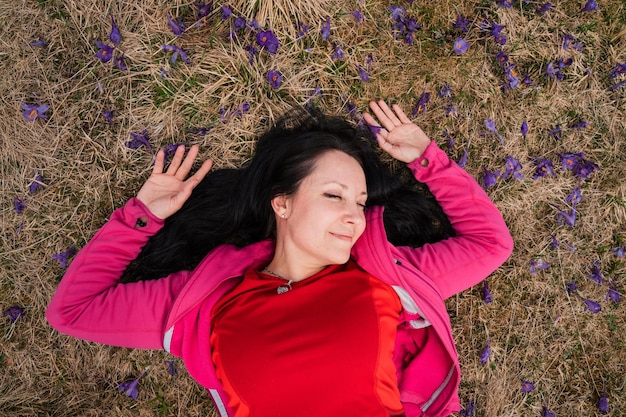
point(283, 288)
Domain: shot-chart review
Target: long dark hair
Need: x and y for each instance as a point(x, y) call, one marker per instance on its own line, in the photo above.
point(233, 205)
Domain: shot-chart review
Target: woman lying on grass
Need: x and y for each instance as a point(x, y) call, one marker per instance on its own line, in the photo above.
point(311, 282)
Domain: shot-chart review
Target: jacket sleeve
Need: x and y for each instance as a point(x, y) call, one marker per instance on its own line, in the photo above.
point(482, 242)
point(91, 304)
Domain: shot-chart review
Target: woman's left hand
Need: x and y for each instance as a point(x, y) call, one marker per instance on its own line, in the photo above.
point(398, 136)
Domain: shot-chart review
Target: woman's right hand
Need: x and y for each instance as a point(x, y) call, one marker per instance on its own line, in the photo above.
point(164, 193)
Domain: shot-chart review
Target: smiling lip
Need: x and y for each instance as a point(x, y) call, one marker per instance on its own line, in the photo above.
point(347, 238)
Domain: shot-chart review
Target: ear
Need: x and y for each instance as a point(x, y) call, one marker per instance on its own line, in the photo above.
point(280, 205)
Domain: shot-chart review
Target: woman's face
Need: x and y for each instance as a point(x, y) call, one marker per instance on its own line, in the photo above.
point(325, 216)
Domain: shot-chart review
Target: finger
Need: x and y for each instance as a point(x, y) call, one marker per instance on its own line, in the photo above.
point(401, 115)
point(185, 167)
point(158, 163)
point(201, 173)
point(176, 160)
point(389, 113)
point(375, 128)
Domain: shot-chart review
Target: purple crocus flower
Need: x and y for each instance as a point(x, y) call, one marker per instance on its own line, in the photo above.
point(325, 31)
point(139, 139)
point(244, 108)
point(338, 53)
point(491, 126)
point(130, 388)
point(204, 9)
point(590, 6)
point(62, 257)
point(397, 12)
point(303, 30)
point(359, 17)
point(445, 91)
point(537, 265)
point(176, 52)
point(485, 353)
point(496, 32)
point(461, 23)
point(363, 75)
point(18, 205)
point(33, 111)
point(545, 412)
point(619, 251)
point(512, 168)
point(227, 11)
point(618, 85)
point(524, 128)
point(120, 63)
point(489, 178)
point(275, 79)
point(543, 9)
point(252, 50)
point(351, 108)
point(596, 275)
point(486, 293)
point(14, 313)
point(620, 68)
point(108, 116)
point(556, 132)
point(470, 409)
point(39, 43)
point(507, 4)
point(527, 387)
point(580, 124)
point(603, 404)
point(268, 40)
point(115, 35)
point(567, 217)
point(574, 197)
point(422, 104)
point(36, 184)
point(463, 161)
point(177, 26)
point(613, 295)
point(578, 164)
point(571, 287)
point(460, 46)
point(592, 306)
point(543, 167)
point(171, 367)
point(105, 53)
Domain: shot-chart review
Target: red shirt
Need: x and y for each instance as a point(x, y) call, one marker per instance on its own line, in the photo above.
point(323, 348)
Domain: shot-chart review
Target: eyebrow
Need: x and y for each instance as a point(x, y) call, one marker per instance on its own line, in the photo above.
point(345, 187)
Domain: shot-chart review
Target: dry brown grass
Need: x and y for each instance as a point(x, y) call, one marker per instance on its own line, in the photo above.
point(537, 331)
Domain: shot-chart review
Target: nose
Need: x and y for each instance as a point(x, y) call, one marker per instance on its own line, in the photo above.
point(354, 215)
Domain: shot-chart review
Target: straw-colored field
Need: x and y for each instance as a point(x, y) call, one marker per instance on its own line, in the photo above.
point(571, 101)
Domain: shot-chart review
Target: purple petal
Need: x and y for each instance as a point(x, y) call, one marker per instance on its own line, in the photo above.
point(596, 275)
point(527, 387)
point(603, 404)
point(486, 294)
point(14, 313)
point(486, 352)
point(177, 26)
point(18, 205)
point(538, 264)
point(274, 78)
point(326, 29)
point(592, 306)
point(115, 35)
point(460, 46)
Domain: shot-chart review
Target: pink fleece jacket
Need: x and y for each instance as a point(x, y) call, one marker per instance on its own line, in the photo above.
point(173, 313)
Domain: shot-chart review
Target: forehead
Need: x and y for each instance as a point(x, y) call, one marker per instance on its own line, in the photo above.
point(337, 166)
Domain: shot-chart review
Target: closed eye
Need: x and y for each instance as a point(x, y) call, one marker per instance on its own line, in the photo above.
point(333, 196)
